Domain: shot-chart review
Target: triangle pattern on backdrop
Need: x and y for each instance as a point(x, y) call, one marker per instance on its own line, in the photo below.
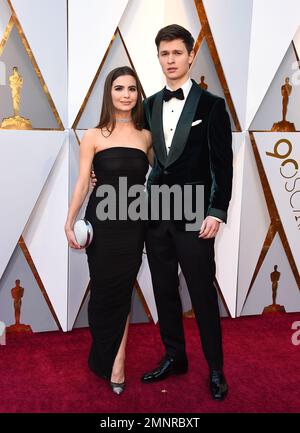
point(41, 114)
point(35, 311)
point(272, 30)
point(116, 56)
point(203, 71)
point(88, 46)
point(26, 184)
point(279, 153)
point(277, 99)
point(48, 46)
point(274, 282)
point(45, 230)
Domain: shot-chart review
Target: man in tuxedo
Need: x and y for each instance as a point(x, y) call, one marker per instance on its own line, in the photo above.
point(192, 145)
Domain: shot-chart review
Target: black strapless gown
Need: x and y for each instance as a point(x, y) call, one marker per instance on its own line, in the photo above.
point(114, 257)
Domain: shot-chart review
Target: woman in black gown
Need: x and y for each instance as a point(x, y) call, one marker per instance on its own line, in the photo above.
point(117, 148)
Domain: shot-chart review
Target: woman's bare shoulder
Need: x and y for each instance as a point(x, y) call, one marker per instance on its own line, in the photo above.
point(92, 132)
point(89, 139)
point(146, 133)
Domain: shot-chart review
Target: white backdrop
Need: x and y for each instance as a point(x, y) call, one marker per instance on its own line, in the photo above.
point(65, 50)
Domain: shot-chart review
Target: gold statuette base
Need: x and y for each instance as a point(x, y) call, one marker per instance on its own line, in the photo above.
point(274, 308)
point(16, 122)
point(189, 314)
point(283, 126)
point(18, 328)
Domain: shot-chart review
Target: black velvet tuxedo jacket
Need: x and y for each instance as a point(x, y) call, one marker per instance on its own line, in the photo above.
point(200, 154)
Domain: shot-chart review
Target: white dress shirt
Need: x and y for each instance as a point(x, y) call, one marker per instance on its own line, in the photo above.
point(172, 110)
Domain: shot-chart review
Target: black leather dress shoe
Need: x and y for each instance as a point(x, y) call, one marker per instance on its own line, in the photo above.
point(166, 367)
point(218, 385)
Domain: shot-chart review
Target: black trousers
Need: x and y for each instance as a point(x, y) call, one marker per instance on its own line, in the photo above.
point(166, 247)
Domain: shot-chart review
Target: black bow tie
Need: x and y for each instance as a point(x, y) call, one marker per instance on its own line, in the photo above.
point(168, 94)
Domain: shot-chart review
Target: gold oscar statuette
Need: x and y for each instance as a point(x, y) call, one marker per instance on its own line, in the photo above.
point(202, 83)
point(284, 125)
point(16, 121)
point(274, 308)
point(17, 293)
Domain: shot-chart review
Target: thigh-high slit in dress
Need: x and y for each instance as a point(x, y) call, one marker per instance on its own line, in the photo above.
point(114, 256)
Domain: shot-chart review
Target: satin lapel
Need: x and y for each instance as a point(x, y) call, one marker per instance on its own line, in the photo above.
point(158, 138)
point(184, 124)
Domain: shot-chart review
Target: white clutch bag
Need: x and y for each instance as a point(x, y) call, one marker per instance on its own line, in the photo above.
point(83, 231)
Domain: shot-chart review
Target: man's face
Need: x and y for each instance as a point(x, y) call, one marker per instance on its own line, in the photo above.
point(174, 59)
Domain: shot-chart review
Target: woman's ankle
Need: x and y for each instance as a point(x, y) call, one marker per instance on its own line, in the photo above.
point(118, 372)
point(118, 376)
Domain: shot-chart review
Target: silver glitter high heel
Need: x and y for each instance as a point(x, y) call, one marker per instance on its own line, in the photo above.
point(117, 388)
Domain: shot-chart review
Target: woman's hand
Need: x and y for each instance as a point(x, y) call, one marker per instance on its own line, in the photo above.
point(71, 238)
point(93, 179)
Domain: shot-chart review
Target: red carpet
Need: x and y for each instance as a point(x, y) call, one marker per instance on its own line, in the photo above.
point(47, 372)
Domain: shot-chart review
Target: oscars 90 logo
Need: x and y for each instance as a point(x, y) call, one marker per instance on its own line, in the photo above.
point(288, 170)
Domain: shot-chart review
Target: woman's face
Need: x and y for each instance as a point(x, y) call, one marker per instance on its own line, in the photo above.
point(124, 93)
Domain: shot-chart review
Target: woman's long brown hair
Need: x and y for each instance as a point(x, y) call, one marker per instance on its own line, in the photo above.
point(107, 117)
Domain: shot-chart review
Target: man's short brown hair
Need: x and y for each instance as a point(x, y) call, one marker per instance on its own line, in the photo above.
point(175, 31)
